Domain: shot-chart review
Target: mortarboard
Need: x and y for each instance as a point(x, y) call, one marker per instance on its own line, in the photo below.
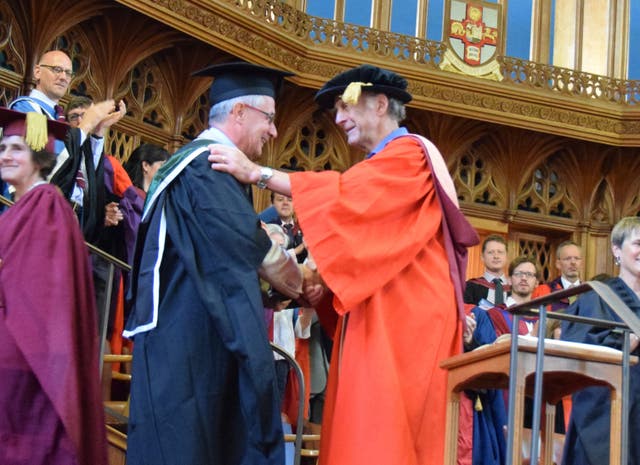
point(239, 78)
point(366, 77)
point(38, 131)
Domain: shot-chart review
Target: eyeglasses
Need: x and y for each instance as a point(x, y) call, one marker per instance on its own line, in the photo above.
point(523, 274)
point(75, 116)
point(57, 70)
point(270, 116)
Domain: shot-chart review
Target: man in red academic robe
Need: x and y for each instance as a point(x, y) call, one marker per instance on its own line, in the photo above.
point(390, 244)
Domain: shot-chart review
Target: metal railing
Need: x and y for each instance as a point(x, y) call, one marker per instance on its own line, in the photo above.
point(630, 323)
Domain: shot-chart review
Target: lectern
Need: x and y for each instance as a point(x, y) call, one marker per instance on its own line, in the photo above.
point(546, 370)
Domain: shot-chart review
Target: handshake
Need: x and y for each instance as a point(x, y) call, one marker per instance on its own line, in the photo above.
point(312, 285)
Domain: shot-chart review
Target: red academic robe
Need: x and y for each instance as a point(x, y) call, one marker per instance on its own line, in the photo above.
point(50, 406)
point(375, 233)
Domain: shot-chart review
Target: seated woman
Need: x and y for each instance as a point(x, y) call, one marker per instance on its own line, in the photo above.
point(50, 405)
point(590, 423)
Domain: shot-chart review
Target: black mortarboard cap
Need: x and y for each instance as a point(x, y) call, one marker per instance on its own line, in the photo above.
point(374, 79)
point(239, 78)
point(38, 131)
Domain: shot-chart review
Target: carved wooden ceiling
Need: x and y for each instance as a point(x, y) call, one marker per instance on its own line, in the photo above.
point(532, 96)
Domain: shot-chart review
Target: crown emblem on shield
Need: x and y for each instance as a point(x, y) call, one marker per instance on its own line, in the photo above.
point(473, 34)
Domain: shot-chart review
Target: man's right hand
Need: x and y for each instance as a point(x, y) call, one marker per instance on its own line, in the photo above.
point(312, 286)
point(233, 161)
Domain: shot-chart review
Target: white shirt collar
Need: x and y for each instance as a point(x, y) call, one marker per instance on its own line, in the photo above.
point(490, 277)
point(566, 284)
point(510, 302)
point(35, 93)
point(217, 135)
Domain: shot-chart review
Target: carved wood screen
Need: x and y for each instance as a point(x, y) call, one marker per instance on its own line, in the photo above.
point(521, 179)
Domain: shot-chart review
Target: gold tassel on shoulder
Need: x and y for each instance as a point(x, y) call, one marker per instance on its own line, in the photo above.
point(36, 131)
point(351, 94)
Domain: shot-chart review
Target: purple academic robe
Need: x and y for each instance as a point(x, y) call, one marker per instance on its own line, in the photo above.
point(50, 405)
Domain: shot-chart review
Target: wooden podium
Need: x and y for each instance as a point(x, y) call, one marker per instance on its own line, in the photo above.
point(567, 367)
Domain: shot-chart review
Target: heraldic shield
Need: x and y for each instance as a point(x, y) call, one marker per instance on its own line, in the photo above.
point(473, 34)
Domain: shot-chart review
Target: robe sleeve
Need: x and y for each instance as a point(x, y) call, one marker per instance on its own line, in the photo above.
point(117, 181)
point(381, 210)
point(280, 269)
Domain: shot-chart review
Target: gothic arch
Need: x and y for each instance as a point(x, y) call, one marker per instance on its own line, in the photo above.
point(308, 139)
point(622, 176)
point(36, 31)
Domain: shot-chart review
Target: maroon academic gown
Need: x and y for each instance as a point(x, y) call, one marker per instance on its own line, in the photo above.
point(50, 405)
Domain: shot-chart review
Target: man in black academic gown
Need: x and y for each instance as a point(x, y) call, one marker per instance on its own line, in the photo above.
point(203, 388)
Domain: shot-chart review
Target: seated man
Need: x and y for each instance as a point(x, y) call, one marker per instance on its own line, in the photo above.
point(490, 413)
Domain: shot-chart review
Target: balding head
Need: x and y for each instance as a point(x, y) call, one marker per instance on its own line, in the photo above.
point(53, 74)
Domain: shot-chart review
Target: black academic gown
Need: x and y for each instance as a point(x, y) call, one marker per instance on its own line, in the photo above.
point(490, 413)
point(587, 441)
point(94, 196)
point(203, 388)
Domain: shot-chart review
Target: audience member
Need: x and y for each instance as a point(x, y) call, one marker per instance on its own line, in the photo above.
point(380, 252)
point(490, 412)
point(122, 207)
point(142, 165)
point(202, 364)
point(586, 440)
point(493, 286)
point(76, 163)
point(286, 219)
point(49, 393)
point(52, 74)
point(569, 264)
point(288, 322)
point(114, 234)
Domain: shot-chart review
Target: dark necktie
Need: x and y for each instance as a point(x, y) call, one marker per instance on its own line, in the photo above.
point(59, 113)
point(499, 298)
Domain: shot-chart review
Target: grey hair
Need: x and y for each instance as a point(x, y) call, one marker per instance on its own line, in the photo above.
point(623, 229)
point(220, 111)
point(396, 110)
point(277, 230)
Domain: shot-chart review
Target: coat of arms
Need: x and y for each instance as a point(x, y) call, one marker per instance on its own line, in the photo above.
point(474, 38)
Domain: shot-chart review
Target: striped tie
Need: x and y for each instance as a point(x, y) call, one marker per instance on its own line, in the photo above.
point(80, 180)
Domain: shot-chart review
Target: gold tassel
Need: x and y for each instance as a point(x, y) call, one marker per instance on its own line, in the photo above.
point(478, 406)
point(36, 131)
point(351, 94)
